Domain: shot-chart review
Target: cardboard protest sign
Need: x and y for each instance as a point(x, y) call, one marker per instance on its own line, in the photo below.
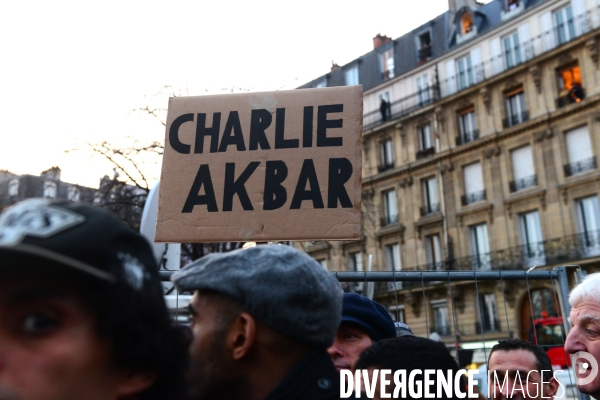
point(265, 166)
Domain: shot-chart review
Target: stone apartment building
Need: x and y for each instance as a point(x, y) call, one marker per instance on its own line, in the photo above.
point(479, 153)
point(124, 200)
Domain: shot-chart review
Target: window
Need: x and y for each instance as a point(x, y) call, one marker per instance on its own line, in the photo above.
point(563, 22)
point(13, 187)
point(440, 317)
point(515, 108)
point(73, 193)
point(512, 5)
point(588, 219)
point(466, 23)
point(431, 203)
point(387, 155)
point(512, 53)
point(393, 263)
point(323, 263)
point(386, 64)
point(570, 89)
point(474, 191)
point(50, 189)
point(351, 75)
point(523, 170)
point(531, 239)
point(425, 137)
point(397, 313)
point(433, 253)
point(465, 72)
point(321, 83)
point(579, 152)
point(391, 208)
point(480, 247)
point(355, 261)
point(424, 46)
point(385, 106)
point(423, 94)
point(467, 126)
point(488, 314)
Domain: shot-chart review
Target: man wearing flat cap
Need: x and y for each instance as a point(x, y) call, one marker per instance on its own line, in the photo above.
point(364, 322)
point(262, 320)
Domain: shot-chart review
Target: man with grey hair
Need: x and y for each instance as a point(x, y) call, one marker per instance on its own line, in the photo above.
point(584, 335)
point(262, 320)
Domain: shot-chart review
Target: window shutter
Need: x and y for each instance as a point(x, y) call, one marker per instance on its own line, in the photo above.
point(473, 178)
point(497, 64)
point(548, 36)
point(579, 146)
point(524, 42)
point(450, 78)
point(476, 65)
point(522, 163)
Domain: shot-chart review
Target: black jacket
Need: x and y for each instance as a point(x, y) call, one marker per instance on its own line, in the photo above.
point(313, 378)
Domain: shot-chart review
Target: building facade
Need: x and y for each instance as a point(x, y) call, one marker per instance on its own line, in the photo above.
point(479, 153)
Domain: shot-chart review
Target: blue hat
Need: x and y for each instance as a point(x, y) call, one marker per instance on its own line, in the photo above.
point(369, 315)
point(402, 329)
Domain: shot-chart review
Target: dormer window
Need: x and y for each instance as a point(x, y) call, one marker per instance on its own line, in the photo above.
point(424, 43)
point(466, 23)
point(386, 64)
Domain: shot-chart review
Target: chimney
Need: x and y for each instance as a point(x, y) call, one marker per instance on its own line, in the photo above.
point(380, 40)
point(334, 66)
point(51, 173)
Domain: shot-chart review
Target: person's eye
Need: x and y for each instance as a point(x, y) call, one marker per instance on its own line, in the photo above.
point(350, 336)
point(38, 323)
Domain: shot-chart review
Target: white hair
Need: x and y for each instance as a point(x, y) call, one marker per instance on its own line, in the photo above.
point(588, 289)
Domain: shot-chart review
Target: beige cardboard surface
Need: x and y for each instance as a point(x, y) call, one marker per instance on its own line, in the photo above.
point(267, 166)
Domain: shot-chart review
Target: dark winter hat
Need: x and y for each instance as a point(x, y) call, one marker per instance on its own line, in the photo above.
point(369, 315)
point(402, 329)
point(279, 285)
point(41, 235)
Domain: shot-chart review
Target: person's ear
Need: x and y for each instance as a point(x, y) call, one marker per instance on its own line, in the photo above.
point(552, 389)
point(134, 383)
point(241, 336)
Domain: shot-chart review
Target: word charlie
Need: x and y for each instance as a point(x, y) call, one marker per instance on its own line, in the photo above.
point(416, 384)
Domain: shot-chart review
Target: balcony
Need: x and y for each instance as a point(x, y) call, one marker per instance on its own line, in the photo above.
point(515, 119)
point(576, 95)
point(430, 209)
point(572, 248)
point(389, 220)
point(467, 137)
point(385, 166)
point(425, 153)
point(578, 167)
point(471, 198)
point(424, 54)
point(523, 183)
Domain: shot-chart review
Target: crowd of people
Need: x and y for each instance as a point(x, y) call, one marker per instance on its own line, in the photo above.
point(82, 316)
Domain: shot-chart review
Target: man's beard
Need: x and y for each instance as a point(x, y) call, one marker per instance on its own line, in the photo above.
point(215, 376)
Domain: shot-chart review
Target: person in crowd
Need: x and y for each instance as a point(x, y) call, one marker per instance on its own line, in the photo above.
point(409, 353)
point(520, 370)
point(402, 329)
point(82, 312)
point(262, 319)
point(584, 335)
point(363, 322)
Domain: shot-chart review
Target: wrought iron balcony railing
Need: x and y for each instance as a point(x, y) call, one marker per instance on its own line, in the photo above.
point(425, 153)
point(385, 167)
point(471, 198)
point(429, 209)
point(523, 183)
point(576, 95)
point(515, 119)
point(580, 166)
point(467, 137)
point(389, 220)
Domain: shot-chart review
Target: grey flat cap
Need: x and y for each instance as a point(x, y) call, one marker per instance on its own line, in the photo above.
point(279, 285)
